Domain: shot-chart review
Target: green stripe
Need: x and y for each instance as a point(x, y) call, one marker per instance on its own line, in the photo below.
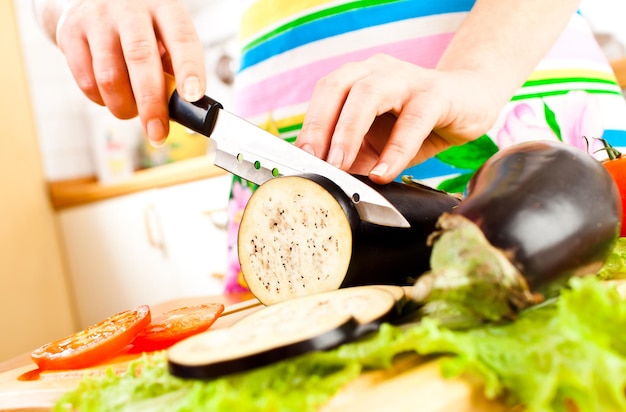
point(558, 92)
point(568, 80)
point(314, 16)
point(290, 128)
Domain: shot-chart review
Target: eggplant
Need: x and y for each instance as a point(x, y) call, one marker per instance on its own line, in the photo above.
point(232, 350)
point(536, 214)
point(302, 234)
point(314, 322)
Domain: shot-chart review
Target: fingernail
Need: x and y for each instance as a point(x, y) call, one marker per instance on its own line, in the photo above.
point(191, 89)
point(335, 157)
point(155, 132)
point(308, 148)
point(380, 169)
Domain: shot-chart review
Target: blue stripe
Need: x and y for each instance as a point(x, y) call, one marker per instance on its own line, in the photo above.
point(616, 138)
point(350, 21)
point(432, 167)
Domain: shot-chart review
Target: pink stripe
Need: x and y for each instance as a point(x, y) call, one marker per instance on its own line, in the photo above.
point(296, 86)
point(576, 44)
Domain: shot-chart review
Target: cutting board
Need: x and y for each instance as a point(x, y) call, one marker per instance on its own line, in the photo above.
point(412, 383)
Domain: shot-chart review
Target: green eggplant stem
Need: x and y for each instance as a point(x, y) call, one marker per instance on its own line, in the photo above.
point(470, 281)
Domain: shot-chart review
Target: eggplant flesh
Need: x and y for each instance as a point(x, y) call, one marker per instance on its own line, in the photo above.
point(290, 328)
point(536, 214)
point(302, 234)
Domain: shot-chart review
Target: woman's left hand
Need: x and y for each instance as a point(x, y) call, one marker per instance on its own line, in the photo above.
point(378, 116)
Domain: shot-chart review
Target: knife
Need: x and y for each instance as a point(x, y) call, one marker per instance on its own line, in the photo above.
point(245, 150)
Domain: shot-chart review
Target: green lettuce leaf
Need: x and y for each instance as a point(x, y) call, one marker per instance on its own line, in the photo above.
point(569, 350)
point(615, 265)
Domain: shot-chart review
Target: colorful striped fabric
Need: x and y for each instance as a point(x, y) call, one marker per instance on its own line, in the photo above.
point(287, 45)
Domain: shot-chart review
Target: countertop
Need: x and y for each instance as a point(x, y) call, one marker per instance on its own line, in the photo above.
point(413, 382)
point(69, 193)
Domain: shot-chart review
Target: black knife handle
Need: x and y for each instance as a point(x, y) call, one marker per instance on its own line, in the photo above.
point(198, 116)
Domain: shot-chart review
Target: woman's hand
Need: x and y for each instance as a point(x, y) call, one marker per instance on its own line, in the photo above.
point(381, 115)
point(118, 50)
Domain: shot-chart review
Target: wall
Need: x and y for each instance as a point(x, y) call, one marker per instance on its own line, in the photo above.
point(34, 300)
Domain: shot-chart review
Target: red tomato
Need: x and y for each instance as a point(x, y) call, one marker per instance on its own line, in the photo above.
point(175, 325)
point(95, 344)
point(617, 169)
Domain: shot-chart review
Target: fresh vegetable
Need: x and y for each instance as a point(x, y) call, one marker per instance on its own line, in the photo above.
point(290, 328)
point(173, 326)
point(616, 165)
point(536, 214)
point(563, 356)
point(94, 344)
point(302, 234)
point(615, 265)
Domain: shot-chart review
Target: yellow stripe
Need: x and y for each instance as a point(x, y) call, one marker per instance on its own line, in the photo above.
point(264, 13)
point(565, 73)
point(290, 121)
point(272, 125)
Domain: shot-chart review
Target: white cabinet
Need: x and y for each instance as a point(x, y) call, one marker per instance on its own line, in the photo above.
point(147, 247)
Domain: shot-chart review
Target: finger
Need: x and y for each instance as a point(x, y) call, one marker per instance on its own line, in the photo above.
point(109, 70)
point(364, 103)
point(325, 107)
point(373, 144)
point(79, 60)
point(413, 126)
point(176, 31)
point(145, 71)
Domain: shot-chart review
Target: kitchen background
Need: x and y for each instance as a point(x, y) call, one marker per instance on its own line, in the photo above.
point(156, 243)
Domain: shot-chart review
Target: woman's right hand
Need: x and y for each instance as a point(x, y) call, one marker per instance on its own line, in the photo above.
point(118, 51)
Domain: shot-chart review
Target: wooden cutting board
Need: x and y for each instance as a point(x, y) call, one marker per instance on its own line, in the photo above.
point(413, 383)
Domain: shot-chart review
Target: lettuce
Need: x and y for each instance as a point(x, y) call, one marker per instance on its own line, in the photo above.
point(570, 350)
point(615, 264)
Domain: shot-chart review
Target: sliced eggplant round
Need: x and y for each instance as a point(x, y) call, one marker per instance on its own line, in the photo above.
point(398, 292)
point(237, 349)
point(302, 234)
point(368, 305)
point(290, 328)
point(295, 238)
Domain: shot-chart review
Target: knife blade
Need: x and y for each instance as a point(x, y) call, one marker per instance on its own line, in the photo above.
point(256, 155)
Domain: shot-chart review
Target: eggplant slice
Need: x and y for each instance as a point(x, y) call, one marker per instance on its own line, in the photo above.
point(311, 323)
point(370, 306)
point(295, 239)
point(237, 349)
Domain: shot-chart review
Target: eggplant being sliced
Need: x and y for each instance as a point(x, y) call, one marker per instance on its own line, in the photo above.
point(536, 214)
point(302, 234)
point(310, 323)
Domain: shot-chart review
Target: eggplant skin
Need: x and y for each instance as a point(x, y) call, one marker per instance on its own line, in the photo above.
point(551, 207)
point(392, 255)
point(282, 242)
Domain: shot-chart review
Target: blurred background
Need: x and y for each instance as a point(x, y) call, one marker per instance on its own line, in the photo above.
point(92, 219)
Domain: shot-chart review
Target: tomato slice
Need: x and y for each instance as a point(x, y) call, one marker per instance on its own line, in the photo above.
point(175, 325)
point(94, 344)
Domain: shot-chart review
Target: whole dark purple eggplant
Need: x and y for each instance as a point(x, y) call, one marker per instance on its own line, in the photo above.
point(302, 234)
point(536, 214)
